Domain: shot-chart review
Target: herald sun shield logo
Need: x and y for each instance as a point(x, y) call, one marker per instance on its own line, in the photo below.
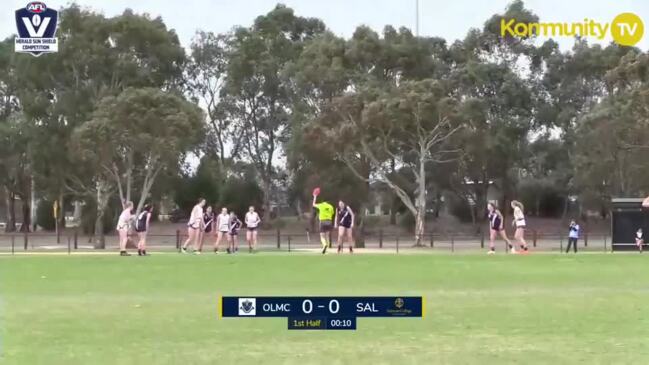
point(36, 24)
point(247, 306)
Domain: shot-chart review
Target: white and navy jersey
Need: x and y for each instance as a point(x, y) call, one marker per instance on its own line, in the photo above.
point(140, 222)
point(208, 220)
point(345, 217)
point(223, 222)
point(638, 235)
point(495, 221)
point(252, 220)
point(235, 225)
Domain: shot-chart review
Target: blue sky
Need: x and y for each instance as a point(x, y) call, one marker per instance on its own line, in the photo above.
point(448, 19)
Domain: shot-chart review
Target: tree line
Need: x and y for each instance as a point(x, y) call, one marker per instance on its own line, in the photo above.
point(285, 105)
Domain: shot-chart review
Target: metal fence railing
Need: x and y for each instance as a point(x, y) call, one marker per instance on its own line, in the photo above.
point(279, 240)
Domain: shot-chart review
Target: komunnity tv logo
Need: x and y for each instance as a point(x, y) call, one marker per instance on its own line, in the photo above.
point(36, 25)
point(626, 29)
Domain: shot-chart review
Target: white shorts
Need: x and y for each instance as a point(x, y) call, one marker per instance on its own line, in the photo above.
point(520, 223)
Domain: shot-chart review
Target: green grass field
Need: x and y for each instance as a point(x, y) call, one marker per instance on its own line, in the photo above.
point(544, 308)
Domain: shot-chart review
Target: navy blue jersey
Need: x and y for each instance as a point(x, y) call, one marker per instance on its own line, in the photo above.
point(494, 220)
point(208, 219)
point(235, 225)
point(140, 222)
point(345, 217)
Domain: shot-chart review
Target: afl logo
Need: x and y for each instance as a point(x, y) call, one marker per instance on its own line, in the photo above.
point(36, 7)
point(36, 25)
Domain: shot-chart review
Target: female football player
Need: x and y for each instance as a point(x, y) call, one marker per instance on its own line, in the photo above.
point(123, 224)
point(344, 221)
point(519, 224)
point(496, 227)
point(194, 225)
point(142, 227)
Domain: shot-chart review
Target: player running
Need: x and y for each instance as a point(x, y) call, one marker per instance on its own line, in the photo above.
point(142, 227)
point(208, 224)
point(325, 215)
point(233, 232)
point(223, 226)
point(123, 224)
point(344, 221)
point(639, 241)
point(519, 224)
point(496, 227)
point(252, 224)
point(194, 226)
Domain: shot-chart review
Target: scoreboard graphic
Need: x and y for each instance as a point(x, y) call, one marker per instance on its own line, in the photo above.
point(321, 313)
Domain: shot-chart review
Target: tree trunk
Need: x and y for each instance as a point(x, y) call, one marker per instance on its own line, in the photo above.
point(393, 210)
point(393, 204)
point(61, 212)
point(438, 203)
point(359, 239)
point(472, 209)
point(11, 211)
point(102, 203)
point(298, 208)
point(420, 217)
point(27, 216)
point(565, 207)
point(419, 225)
point(266, 205)
point(100, 240)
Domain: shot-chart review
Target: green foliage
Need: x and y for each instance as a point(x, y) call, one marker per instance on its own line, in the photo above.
point(458, 208)
point(136, 134)
point(239, 194)
point(373, 221)
point(541, 198)
point(105, 111)
point(275, 224)
point(89, 215)
point(45, 215)
point(205, 183)
point(406, 220)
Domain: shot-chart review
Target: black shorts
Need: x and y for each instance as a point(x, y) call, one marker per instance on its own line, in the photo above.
point(251, 229)
point(347, 225)
point(234, 232)
point(140, 230)
point(326, 226)
point(208, 229)
point(497, 229)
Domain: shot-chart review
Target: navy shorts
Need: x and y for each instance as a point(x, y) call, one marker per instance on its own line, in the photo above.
point(326, 226)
